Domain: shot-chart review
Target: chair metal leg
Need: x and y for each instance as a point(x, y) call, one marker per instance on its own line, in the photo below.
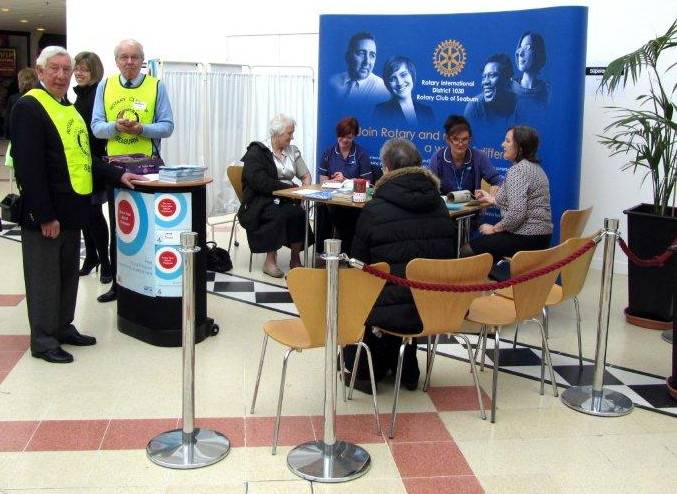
point(258, 375)
point(428, 347)
point(545, 322)
point(545, 354)
point(398, 379)
point(353, 372)
point(545, 326)
point(232, 232)
point(479, 341)
point(361, 344)
point(494, 384)
point(484, 350)
point(429, 368)
point(276, 431)
point(578, 331)
point(473, 371)
point(514, 340)
point(251, 256)
point(342, 372)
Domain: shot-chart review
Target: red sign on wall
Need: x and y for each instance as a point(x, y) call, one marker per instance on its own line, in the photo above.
point(7, 62)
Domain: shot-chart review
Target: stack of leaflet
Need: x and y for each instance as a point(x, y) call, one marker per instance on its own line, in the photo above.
point(183, 173)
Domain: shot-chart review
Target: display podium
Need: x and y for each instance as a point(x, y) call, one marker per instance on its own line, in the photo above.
point(149, 220)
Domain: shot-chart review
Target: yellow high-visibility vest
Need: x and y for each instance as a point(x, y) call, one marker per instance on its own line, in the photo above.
point(72, 130)
point(136, 104)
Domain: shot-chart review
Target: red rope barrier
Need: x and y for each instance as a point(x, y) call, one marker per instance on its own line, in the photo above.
point(656, 261)
point(443, 287)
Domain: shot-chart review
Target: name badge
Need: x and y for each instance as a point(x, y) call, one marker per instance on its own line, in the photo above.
point(139, 105)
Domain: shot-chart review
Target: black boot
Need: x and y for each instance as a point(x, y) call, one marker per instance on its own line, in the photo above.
point(88, 265)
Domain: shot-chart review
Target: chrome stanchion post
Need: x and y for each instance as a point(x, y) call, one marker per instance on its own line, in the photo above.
point(188, 447)
point(595, 400)
point(329, 460)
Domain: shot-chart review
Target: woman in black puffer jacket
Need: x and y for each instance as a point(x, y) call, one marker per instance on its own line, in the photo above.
point(406, 219)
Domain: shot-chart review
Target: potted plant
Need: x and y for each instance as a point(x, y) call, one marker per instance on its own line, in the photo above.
point(647, 134)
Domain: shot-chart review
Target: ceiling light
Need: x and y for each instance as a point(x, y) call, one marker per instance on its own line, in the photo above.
point(4, 9)
point(24, 21)
point(39, 28)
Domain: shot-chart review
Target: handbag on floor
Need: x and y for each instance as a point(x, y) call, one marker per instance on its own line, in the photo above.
point(218, 259)
point(11, 208)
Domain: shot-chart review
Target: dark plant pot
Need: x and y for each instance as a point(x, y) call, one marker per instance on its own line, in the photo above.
point(650, 290)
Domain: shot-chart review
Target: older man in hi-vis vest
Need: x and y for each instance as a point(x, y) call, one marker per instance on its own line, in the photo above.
point(53, 164)
point(131, 110)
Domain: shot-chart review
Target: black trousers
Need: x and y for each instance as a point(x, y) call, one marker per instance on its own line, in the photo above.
point(506, 244)
point(51, 277)
point(96, 238)
point(113, 237)
point(385, 352)
point(336, 222)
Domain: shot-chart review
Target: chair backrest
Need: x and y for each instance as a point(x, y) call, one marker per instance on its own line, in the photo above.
point(573, 274)
point(234, 173)
point(444, 312)
point(357, 294)
point(531, 295)
point(573, 223)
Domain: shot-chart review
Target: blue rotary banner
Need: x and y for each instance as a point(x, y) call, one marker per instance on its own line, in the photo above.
point(402, 76)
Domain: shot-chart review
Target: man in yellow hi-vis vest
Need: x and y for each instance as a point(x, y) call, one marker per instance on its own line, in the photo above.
point(53, 165)
point(131, 110)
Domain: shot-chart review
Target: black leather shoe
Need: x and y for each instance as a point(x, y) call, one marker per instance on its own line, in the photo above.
point(363, 385)
point(55, 356)
point(78, 339)
point(410, 384)
point(109, 296)
point(105, 278)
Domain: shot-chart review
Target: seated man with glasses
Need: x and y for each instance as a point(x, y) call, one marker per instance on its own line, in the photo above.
point(458, 165)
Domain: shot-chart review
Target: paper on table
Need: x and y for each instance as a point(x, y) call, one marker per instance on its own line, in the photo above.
point(305, 192)
point(332, 185)
point(153, 177)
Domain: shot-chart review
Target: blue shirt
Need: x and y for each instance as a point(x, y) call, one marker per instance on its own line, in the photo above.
point(476, 167)
point(163, 121)
point(355, 165)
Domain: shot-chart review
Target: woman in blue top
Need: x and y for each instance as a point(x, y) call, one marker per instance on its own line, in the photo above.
point(344, 160)
point(458, 165)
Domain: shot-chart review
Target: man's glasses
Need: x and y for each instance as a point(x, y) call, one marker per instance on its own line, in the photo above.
point(133, 58)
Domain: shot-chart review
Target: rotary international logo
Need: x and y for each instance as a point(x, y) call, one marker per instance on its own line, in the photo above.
point(449, 58)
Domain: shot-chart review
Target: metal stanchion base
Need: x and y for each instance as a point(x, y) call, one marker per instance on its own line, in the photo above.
point(206, 448)
point(667, 335)
point(609, 404)
point(317, 462)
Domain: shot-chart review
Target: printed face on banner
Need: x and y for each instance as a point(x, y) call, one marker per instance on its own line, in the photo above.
point(491, 81)
point(361, 59)
point(524, 54)
point(401, 84)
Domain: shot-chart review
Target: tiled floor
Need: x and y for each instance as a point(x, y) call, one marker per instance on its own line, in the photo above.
point(82, 427)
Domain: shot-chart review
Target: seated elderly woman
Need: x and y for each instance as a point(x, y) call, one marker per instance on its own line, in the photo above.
point(406, 219)
point(524, 200)
point(272, 222)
